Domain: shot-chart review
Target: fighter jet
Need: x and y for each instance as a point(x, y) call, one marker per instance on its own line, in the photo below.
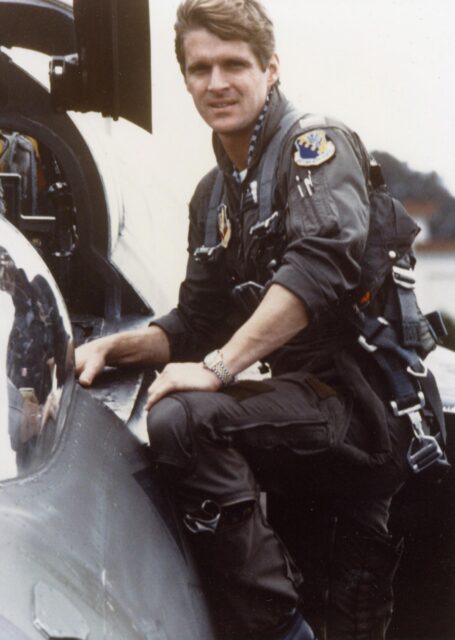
point(89, 545)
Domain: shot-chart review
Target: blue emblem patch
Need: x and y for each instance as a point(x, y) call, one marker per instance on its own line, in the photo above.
point(313, 149)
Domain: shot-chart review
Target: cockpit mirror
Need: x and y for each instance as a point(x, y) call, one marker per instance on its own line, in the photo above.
point(110, 71)
point(36, 358)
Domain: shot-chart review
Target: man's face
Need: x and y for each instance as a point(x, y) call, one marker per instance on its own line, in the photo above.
point(226, 82)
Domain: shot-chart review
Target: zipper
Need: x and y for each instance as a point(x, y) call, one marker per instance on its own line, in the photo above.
point(264, 421)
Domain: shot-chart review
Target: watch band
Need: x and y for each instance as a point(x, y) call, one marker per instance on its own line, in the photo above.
point(213, 361)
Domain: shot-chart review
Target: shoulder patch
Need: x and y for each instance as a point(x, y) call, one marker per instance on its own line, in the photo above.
point(313, 149)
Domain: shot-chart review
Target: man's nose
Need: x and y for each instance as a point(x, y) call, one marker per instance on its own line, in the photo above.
point(218, 79)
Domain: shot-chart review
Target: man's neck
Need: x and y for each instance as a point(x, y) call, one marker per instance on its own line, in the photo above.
point(236, 148)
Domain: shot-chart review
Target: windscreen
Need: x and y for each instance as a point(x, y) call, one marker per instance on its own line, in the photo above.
point(36, 357)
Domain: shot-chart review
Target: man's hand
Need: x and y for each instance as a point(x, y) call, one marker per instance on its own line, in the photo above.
point(140, 347)
point(90, 361)
point(181, 376)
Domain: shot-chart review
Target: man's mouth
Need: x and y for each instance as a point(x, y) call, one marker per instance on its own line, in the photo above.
point(222, 104)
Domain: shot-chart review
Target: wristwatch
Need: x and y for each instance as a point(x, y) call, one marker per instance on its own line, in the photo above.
point(213, 361)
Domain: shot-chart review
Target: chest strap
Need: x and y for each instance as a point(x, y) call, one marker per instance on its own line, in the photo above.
point(267, 170)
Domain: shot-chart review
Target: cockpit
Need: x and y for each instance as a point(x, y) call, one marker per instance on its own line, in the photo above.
point(39, 201)
point(36, 358)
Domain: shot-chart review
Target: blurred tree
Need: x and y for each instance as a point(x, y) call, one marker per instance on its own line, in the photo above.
point(407, 184)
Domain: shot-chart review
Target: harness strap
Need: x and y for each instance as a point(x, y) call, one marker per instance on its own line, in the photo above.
point(211, 227)
point(406, 303)
point(267, 170)
point(211, 248)
point(412, 388)
point(402, 367)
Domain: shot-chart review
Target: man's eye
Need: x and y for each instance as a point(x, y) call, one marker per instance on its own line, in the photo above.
point(198, 70)
point(236, 64)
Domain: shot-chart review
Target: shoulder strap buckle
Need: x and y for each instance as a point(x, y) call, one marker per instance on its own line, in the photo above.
point(265, 227)
point(403, 277)
point(206, 254)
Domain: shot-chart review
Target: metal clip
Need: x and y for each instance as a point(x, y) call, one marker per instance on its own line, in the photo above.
point(425, 451)
point(403, 277)
point(206, 520)
point(362, 340)
point(207, 254)
point(417, 424)
point(265, 227)
point(408, 410)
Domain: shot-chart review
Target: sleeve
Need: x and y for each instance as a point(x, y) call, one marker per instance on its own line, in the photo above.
point(326, 204)
point(198, 324)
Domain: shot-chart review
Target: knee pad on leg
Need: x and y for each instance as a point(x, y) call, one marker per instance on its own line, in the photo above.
point(169, 434)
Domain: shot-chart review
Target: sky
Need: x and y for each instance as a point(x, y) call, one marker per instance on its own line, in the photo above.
point(385, 68)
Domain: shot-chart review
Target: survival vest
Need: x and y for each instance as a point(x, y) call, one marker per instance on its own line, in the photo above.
point(383, 309)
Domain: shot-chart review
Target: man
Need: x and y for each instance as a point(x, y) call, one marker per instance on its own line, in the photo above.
point(316, 433)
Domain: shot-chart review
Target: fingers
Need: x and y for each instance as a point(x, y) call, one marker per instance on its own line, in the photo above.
point(89, 363)
point(169, 380)
point(159, 388)
point(87, 375)
point(180, 376)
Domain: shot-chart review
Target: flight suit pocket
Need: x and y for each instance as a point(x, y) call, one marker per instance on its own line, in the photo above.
point(296, 411)
point(311, 210)
point(310, 434)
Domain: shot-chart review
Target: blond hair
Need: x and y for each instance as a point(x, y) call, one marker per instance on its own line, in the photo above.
point(245, 20)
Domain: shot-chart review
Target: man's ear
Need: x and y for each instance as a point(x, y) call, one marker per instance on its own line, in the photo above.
point(273, 70)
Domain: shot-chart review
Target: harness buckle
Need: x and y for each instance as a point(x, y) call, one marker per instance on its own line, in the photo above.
point(207, 254)
point(425, 451)
point(381, 323)
point(413, 408)
point(262, 228)
point(403, 277)
point(417, 424)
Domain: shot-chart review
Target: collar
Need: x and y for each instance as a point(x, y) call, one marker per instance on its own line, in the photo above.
point(269, 119)
point(239, 176)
